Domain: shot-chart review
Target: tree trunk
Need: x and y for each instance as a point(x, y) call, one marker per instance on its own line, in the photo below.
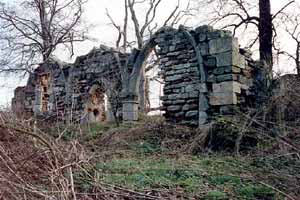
point(298, 58)
point(142, 92)
point(44, 28)
point(265, 35)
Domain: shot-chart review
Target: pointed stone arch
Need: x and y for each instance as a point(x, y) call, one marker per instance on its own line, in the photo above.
point(160, 38)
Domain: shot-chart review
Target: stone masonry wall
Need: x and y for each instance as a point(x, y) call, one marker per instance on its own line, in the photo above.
point(62, 91)
point(206, 74)
point(228, 75)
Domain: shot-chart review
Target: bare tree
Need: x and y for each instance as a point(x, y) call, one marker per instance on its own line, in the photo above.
point(241, 15)
point(292, 28)
point(31, 31)
point(144, 26)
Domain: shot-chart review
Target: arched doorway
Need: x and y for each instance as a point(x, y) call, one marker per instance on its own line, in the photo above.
point(154, 84)
point(183, 73)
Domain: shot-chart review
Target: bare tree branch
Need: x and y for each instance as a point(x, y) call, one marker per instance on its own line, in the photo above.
point(31, 37)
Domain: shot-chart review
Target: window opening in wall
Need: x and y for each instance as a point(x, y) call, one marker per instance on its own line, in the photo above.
point(44, 85)
point(95, 107)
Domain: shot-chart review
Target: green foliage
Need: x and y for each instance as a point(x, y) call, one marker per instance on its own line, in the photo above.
point(193, 174)
point(287, 163)
point(222, 179)
point(251, 191)
point(147, 147)
point(146, 161)
point(89, 131)
point(219, 176)
point(150, 173)
point(216, 195)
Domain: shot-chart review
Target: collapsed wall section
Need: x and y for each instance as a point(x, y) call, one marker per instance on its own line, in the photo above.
point(94, 70)
point(71, 92)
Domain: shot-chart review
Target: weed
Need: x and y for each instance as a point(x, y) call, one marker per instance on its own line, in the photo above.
point(222, 179)
point(216, 195)
point(259, 192)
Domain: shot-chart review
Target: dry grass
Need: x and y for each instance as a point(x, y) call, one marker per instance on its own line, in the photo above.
point(36, 165)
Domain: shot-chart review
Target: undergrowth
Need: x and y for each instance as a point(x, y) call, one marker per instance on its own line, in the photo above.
point(152, 159)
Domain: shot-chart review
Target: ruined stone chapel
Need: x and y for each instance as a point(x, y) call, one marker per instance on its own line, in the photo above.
point(205, 74)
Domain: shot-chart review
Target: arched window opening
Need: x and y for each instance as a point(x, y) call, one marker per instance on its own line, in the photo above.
point(95, 106)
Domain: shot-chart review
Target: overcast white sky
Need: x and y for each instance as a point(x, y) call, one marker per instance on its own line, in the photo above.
point(103, 32)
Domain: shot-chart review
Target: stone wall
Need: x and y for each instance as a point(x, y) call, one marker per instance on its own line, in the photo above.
point(70, 92)
point(206, 74)
point(227, 82)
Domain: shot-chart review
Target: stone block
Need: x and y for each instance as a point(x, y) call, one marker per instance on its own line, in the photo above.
point(130, 111)
point(238, 60)
point(218, 34)
point(204, 49)
point(202, 87)
point(204, 29)
point(183, 96)
point(164, 60)
point(229, 86)
point(176, 53)
point(211, 78)
point(193, 94)
point(180, 47)
point(179, 114)
point(173, 78)
point(173, 108)
point(219, 71)
point(181, 66)
point(192, 101)
point(176, 91)
point(187, 107)
point(203, 103)
point(159, 39)
point(193, 70)
point(202, 37)
point(230, 58)
point(210, 62)
point(202, 118)
point(192, 113)
point(172, 48)
point(221, 45)
point(227, 77)
point(167, 103)
point(232, 69)
point(223, 98)
point(172, 97)
point(190, 88)
point(179, 102)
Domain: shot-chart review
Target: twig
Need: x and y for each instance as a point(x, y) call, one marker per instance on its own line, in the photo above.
point(281, 192)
